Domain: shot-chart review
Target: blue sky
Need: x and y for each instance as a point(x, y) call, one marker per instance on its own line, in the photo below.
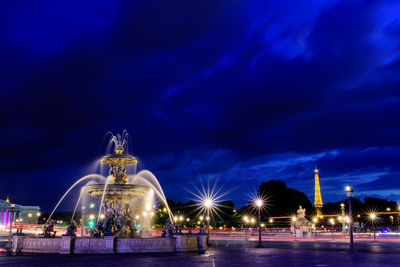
point(238, 91)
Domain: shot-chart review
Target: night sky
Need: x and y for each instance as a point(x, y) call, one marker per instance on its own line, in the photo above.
point(238, 91)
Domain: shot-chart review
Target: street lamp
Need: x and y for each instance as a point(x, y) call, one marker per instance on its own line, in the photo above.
point(349, 191)
point(343, 221)
point(12, 206)
point(259, 203)
point(83, 219)
point(208, 204)
point(373, 218)
point(30, 216)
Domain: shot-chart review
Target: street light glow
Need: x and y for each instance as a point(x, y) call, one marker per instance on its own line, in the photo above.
point(259, 203)
point(208, 203)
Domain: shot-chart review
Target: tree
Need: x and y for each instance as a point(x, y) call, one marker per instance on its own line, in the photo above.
point(283, 200)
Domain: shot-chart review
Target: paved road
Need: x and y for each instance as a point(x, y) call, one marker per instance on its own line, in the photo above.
point(219, 257)
point(383, 247)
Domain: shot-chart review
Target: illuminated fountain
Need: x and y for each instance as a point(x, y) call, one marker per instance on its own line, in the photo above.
point(127, 200)
point(124, 217)
point(118, 215)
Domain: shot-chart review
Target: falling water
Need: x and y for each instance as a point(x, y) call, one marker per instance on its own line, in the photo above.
point(143, 181)
point(109, 178)
point(81, 194)
point(76, 206)
point(152, 178)
point(90, 176)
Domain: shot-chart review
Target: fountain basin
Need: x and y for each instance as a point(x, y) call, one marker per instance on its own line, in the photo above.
point(117, 192)
point(119, 158)
point(107, 245)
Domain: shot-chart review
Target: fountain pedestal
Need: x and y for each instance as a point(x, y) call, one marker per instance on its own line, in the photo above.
point(67, 244)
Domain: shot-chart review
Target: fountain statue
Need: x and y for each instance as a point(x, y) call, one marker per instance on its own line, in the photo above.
point(300, 226)
point(49, 230)
point(71, 229)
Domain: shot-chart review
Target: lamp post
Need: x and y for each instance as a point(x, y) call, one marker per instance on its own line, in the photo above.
point(83, 219)
point(373, 218)
point(349, 191)
point(343, 221)
point(208, 204)
point(38, 216)
point(259, 203)
point(246, 221)
point(12, 206)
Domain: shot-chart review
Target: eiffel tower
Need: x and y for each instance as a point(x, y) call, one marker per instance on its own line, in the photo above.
point(317, 193)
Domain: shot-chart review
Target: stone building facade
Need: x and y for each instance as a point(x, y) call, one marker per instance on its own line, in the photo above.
point(18, 213)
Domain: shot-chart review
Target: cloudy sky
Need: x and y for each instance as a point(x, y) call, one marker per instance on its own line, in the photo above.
point(239, 91)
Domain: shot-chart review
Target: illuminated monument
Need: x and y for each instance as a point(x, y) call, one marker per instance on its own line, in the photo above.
point(317, 193)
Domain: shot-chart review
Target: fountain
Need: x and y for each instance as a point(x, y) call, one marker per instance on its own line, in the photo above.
point(118, 219)
point(122, 197)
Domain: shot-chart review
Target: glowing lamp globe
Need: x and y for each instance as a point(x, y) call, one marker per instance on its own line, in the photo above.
point(208, 203)
point(259, 203)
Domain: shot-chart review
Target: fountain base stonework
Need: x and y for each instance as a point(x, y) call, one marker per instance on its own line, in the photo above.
point(108, 245)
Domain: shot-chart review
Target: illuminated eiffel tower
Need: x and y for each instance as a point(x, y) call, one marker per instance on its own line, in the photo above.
point(317, 193)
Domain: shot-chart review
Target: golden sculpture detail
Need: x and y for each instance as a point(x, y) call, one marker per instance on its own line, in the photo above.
point(117, 163)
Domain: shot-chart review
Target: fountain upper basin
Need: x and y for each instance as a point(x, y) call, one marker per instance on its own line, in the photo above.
point(117, 192)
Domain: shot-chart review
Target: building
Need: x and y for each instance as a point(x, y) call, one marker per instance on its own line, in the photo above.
point(317, 193)
point(19, 213)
